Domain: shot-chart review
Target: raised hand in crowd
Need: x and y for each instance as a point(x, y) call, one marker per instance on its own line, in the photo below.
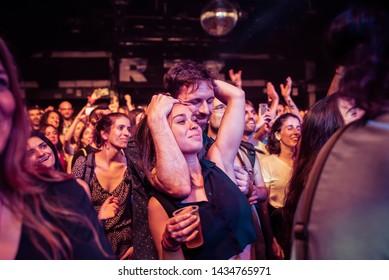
point(236, 78)
point(285, 92)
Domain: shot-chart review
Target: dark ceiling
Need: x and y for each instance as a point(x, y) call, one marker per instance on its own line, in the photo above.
point(159, 29)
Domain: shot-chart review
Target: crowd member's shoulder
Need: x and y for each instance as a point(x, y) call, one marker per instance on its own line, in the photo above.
point(69, 188)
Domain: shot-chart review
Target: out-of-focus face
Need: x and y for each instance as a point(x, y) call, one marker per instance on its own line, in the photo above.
point(77, 131)
point(250, 119)
point(35, 116)
point(52, 134)
point(39, 152)
point(120, 133)
point(199, 101)
point(53, 119)
point(123, 110)
point(138, 118)
point(349, 111)
point(280, 110)
point(87, 136)
point(217, 114)
point(290, 133)
point(185, 129)
point(66, 110)
point(7, 107)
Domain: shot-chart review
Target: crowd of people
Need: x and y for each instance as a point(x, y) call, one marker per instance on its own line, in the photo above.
point(103, 183)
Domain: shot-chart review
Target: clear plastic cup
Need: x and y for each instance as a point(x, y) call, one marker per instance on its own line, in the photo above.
point(194, 210)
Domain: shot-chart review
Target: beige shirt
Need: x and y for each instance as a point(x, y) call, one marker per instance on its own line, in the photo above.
point(276, 174)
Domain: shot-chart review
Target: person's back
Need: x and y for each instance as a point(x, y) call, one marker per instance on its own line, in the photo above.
point(351, 203)
point(343, 210)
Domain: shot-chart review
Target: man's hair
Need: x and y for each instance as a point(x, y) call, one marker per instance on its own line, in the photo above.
point(187, 73)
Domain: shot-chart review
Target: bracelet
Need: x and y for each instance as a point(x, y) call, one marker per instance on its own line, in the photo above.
point(169, 246)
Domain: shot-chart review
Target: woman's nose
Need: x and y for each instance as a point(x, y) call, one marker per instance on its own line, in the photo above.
point(39, 152)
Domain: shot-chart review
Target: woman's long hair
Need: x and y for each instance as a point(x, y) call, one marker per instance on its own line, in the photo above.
point(321, 122)
point(146, 155)
point(23, 187)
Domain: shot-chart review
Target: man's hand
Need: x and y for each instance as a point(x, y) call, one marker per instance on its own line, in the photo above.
point(242, 179)
point(160, 106)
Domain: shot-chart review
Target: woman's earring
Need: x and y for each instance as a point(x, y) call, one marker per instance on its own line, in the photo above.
point(107, 146)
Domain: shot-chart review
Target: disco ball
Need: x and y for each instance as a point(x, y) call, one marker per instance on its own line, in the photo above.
point(218, 17)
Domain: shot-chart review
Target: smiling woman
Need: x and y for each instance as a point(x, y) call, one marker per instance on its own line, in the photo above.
point(44, 214)
point(41, 150)
point(110, 179)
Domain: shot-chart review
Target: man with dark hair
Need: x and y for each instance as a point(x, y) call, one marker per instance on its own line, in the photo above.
point(35, 115)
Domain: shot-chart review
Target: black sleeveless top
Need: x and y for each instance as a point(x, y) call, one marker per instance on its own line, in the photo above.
point(225, 218)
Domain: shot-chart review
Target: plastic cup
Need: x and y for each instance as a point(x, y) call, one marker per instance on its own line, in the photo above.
point(194, 210)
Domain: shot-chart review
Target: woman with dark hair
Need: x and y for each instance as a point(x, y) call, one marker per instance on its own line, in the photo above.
point(42, 151)
point(44, 214)
point(346, 196)
point(321, 122)
point(110, 180)
point(52, 134)
point(225, 214)
point(277, 168)
point(53, 118)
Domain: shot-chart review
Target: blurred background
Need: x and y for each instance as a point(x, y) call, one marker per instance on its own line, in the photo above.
point(66, 48)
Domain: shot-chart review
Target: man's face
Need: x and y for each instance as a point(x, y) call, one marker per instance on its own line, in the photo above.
point(199, 101)
point(35, 116)
point(66, 110)
point(250, 119)
point(280, 110)
point(217, 115)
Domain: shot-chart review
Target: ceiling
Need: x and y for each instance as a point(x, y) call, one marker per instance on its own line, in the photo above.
point(161, 29)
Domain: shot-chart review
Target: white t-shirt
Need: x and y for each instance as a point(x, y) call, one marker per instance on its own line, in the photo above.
point(276, 174)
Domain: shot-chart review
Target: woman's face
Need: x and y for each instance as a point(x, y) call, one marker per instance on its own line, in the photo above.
point(39, 152)
point(7, 107)
point(53, 119)
point(120, 133)
point(185, 129)
point(52, 134)
point(87, 136)
point(290, 132)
